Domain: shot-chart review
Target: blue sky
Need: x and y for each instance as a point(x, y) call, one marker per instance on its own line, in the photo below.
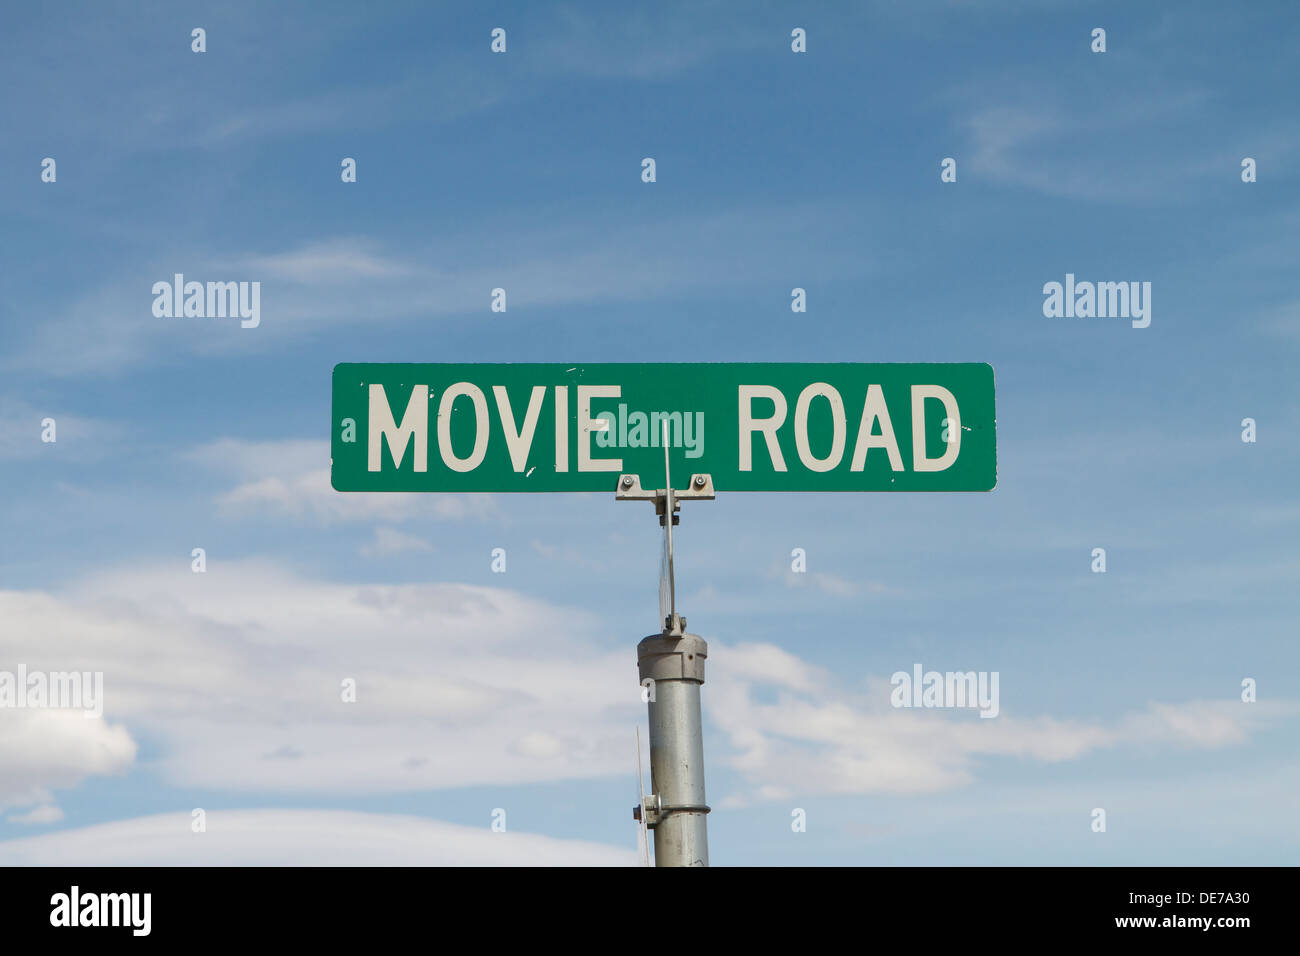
point(775, 170)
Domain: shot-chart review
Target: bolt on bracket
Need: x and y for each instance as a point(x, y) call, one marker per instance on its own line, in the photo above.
point(656, 811)
point(700, 489)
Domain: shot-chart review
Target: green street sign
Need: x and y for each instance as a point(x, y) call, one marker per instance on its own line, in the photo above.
point(764, 426)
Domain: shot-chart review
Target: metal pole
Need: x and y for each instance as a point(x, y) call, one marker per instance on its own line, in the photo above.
point(677, 807)
point(671, 667)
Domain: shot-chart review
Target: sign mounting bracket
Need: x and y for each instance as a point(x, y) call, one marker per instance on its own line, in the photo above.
point(667, 504)
point(629, 489)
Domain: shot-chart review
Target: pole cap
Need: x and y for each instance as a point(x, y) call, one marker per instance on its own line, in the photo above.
point(665, 657)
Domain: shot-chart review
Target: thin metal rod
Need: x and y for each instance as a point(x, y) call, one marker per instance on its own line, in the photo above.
point(643, 834)
point(669, 505)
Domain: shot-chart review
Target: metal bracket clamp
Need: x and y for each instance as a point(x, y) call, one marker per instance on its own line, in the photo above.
point(700, 489)
point(667, 502)
point(656, 811)
point(650, 807)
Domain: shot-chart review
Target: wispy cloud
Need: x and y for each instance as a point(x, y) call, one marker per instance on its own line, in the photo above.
point(77, 437)
point(646, 44)
point(1058, 142)
point(388, 541)
point(330, 261)
point(827, 582)
point(817, 738)
point(223, 668)
point(342, 281)
point(38, 816)
point(291, 479)
point(302, 838)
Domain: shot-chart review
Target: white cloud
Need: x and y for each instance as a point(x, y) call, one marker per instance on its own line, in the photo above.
point(237, 676)
point(834, 741)
point(827, 583)
point(1205, 724)
point(328, 261)
point(76, 436)
point(769, 664)
point(1036, 141)
point(291, 478)
point(44, 749)
point(566, 555)
point(391, 541)
point(334, 281)
point(46, 813)
point(301, 838)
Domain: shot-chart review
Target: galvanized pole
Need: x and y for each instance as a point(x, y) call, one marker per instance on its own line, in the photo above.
point(671, 670)
point(676, 808)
